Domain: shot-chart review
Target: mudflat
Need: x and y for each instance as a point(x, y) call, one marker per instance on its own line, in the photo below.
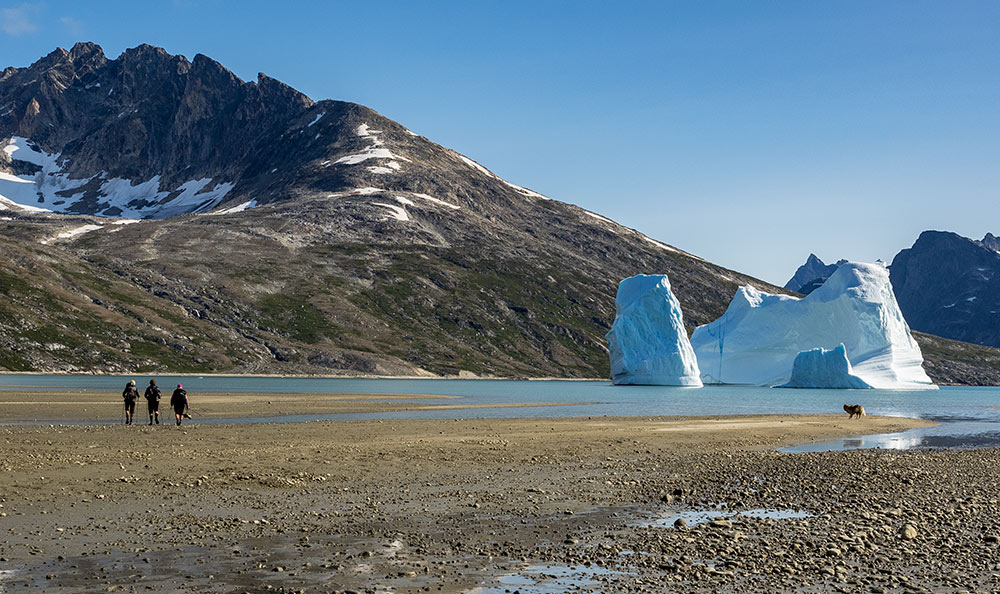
point(536, 505)
point(91, 406)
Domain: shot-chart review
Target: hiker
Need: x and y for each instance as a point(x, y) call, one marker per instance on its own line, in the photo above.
point(130, 394)
point(179, 401)
point(153, 401)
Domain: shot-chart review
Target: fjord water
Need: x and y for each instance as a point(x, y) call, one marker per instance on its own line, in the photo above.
point(969, 416)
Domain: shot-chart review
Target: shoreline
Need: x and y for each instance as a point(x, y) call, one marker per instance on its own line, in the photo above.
point(309, 376)
point(374, 377)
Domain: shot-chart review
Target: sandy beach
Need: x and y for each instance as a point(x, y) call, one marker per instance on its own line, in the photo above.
point(500, 505)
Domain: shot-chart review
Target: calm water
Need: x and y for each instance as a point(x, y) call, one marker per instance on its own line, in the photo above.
point(969, 416)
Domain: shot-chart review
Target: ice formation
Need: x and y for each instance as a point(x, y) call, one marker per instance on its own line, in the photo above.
point(757, 339)
point(824, 368)
point(648, 342)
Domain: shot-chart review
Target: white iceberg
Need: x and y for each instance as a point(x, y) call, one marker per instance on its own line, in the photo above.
point(824, 368)
point(757, 339)
point(648, 342)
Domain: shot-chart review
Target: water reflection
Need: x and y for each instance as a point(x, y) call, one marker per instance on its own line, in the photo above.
point(549, 579)
point(695, 517)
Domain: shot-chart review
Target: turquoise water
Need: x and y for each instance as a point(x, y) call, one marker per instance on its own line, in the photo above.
point(968, 414)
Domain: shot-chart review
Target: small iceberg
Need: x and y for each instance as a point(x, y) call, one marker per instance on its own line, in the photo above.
point(648, 343)
point(824, 368)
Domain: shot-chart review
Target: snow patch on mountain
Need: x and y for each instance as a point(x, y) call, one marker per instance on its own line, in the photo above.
point(73, 233)
point(598, 217)
point(52, 190)
point(662, 246)
point(395, 212)
point(437, 201)
point(373, 151)
point(480, 168)
point(235, 209)
point(316, 119)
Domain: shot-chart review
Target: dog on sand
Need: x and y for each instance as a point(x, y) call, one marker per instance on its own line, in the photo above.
point(854, 410)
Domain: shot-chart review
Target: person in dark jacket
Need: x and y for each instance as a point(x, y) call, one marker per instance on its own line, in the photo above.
point(153, 401)
point(130, 394)
point(179, 402)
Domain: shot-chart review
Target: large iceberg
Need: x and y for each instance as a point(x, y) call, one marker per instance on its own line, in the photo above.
point(824, 368)
point(757, 339)
point(648, 342)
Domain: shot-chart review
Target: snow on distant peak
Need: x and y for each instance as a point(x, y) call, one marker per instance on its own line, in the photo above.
point(318, 118)
point(52, 190)
point(481, 169)
point(405, 201)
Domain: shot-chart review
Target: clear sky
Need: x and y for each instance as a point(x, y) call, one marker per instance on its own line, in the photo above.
point(749, 133)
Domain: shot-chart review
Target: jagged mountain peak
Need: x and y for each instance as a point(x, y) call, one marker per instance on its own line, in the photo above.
point(153, 135)
point(949, 285)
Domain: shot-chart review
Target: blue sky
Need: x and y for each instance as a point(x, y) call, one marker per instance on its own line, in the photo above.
point(749, 133)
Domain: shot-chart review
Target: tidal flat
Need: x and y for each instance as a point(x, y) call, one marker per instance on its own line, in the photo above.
point(532, 505)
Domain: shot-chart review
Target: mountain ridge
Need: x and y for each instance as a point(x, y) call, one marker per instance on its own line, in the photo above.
point(347, 243)
point(341, 243)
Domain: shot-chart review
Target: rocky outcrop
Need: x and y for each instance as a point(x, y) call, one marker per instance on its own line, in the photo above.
point(949, 285)
point(811, 275)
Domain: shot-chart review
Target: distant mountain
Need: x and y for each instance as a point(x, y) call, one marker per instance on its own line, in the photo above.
point(991, 242)
point(811, 275)
point(339, 241)
point(948, 285)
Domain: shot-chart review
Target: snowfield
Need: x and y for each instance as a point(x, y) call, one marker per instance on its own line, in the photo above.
point(46, 190)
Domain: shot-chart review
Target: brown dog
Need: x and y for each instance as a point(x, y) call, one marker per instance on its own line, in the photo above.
point(854, 410)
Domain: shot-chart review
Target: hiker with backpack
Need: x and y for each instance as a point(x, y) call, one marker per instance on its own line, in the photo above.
point(179, 401)
point(153, 401)
point(130, 394)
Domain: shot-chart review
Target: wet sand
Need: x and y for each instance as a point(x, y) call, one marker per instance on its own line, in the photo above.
point(92, 406)
point(530, 505)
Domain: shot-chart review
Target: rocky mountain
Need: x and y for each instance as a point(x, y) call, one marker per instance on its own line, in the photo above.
point(948, 285)
point(811, 275)
point(991, 242)
point(162, 214)
point(281, 234)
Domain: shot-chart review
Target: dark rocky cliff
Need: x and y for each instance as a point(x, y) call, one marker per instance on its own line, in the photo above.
point(948, 285)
